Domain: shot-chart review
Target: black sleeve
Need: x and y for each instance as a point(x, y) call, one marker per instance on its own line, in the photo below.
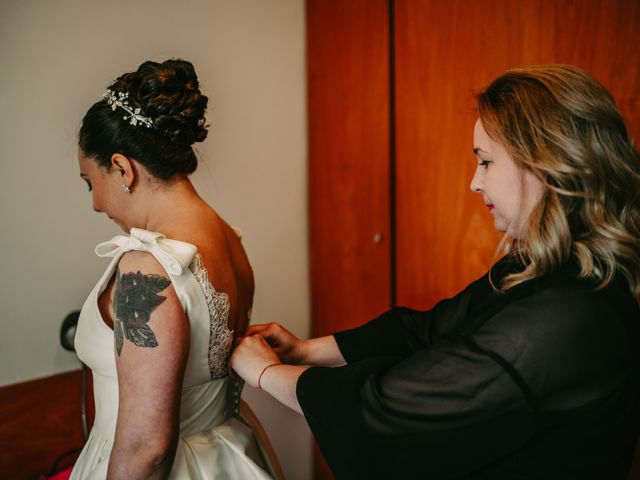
point(439, 413)
point(402, 331)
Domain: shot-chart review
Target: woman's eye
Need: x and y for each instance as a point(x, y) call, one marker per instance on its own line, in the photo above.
point(88, 185)
point(484, 163)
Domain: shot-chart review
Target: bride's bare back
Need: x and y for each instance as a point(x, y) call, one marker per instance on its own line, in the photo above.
point(223, 255)
point(224, 258)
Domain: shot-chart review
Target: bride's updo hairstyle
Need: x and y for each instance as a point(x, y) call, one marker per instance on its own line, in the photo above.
point(563, 126)
point(162, 117)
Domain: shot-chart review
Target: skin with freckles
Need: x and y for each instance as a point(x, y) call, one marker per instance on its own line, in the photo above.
point(509, 191)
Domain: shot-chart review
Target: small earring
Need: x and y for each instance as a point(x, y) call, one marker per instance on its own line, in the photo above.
point(126, 189)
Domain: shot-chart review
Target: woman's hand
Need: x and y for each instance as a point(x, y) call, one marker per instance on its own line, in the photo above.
point(250, 357)
point(289, 348)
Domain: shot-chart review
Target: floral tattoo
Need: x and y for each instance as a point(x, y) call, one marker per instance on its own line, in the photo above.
point(136, 296)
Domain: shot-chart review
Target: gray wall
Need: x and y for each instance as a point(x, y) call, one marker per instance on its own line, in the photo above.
point(57, 58)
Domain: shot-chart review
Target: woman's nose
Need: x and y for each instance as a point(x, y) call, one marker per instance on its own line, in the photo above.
point(476, 183)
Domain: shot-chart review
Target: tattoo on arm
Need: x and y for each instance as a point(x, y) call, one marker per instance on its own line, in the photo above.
point(135, 297)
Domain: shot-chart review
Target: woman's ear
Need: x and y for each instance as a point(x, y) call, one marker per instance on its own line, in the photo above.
point(124, 166)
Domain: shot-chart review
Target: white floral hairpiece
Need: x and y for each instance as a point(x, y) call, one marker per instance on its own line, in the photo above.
point(119, 99)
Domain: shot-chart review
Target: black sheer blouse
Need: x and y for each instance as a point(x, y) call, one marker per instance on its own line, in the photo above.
point(541, 382)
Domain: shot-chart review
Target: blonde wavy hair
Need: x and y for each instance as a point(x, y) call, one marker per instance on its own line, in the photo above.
point(562, 125)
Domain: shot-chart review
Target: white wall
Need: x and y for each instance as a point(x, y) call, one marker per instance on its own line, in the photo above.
point(57, 58)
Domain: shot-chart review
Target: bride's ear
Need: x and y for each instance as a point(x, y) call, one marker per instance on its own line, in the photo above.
point(124, 166)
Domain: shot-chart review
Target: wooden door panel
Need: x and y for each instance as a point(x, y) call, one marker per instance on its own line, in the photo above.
point(349, 199)
point(445, 51)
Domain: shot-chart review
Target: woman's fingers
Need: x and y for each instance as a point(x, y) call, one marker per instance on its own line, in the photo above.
point(283, 342)
point(267, 330)
point(275, 334)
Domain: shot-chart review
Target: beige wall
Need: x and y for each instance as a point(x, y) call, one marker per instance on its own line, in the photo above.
point(57, 58)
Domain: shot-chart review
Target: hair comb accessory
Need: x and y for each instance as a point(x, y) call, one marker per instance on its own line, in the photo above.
point(119, 99)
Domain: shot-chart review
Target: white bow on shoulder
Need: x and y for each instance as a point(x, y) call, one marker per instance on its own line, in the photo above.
point(173, 255)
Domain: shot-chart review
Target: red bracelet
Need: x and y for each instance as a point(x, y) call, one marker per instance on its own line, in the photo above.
point(262, 373)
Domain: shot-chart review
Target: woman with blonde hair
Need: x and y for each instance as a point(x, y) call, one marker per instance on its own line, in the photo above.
point(533, 370)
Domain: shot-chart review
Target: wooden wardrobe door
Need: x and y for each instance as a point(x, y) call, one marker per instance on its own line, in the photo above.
point(444, 52)
point(348, 92)
point(349, 151)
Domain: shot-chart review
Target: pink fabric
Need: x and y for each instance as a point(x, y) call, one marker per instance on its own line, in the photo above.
point(63, 475)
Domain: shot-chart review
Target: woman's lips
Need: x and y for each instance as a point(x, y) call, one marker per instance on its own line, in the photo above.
point(490, 206)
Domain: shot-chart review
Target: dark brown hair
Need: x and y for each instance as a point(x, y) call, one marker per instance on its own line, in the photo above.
point(168, 93)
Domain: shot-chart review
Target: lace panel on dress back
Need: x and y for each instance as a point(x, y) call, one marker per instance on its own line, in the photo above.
point(220, 336)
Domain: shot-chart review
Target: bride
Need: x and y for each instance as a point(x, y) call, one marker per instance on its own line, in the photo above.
point(158, 327)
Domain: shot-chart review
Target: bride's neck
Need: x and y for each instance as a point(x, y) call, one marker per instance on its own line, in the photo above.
point(165, 205)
